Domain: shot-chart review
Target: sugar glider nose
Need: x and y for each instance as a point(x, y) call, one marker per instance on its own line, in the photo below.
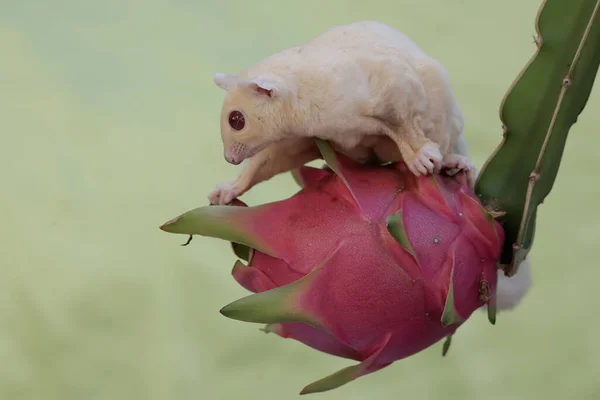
point(233, 159)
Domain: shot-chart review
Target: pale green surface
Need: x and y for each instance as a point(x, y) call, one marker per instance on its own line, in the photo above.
point(109, 127)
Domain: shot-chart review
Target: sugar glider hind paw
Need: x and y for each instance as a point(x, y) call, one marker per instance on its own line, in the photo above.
point(427, 160)
point(223, 194)
point(461, 163)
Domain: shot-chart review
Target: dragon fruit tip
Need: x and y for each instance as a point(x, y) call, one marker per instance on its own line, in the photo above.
point(164, 227)
point(267, 307)
point(450, 315)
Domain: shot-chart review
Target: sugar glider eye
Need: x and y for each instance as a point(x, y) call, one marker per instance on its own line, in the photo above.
point(237, 120)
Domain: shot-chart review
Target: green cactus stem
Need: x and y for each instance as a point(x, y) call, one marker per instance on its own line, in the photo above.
point(537, 113)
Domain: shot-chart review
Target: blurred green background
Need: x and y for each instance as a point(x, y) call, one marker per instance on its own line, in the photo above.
point(109, 126)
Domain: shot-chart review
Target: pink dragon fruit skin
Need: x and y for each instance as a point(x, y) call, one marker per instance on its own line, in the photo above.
point(369, 263)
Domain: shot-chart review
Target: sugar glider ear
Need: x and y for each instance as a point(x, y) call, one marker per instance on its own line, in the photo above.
point(224, 81)
point(263, 86)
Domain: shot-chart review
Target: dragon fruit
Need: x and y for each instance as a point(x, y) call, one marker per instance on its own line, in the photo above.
point(369, 263)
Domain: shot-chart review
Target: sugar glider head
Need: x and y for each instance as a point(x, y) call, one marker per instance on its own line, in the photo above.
point(251, 116)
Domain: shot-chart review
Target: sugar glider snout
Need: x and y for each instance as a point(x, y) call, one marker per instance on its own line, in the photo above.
point(236, 153)
point(233, 159)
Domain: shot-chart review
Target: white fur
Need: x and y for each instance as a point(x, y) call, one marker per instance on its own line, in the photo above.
point(512, 290)
point(224, 81)
point(365, 87)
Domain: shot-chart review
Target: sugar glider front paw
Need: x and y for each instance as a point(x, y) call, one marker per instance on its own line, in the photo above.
point(427, 160)
point(223, 194)
point(461, 163)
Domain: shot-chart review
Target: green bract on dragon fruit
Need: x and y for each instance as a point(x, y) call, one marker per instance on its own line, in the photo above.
point(370, 263)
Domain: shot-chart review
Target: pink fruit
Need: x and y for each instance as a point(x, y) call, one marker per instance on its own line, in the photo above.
point(369, 263)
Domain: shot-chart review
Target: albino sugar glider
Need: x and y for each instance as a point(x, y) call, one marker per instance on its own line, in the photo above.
point(364, 87)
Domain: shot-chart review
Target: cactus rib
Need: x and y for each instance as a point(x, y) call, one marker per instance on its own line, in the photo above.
point(537, 114)
point(566, 83)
